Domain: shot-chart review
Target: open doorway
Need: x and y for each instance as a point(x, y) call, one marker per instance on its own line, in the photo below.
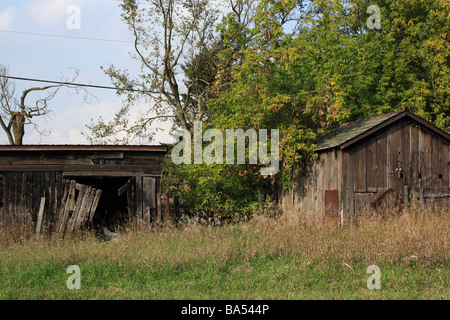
point(113, 209)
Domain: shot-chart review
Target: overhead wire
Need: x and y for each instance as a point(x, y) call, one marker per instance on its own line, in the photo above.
point(71, 83)
point(64, 36)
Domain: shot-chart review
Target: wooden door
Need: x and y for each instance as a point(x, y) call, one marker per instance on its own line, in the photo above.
point(331, 207)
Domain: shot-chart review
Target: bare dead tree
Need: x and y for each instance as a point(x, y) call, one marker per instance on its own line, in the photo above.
point(16, 113)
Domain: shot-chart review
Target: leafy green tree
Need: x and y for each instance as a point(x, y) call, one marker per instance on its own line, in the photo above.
point(166, 34)
point(332, 68)
point(297, 66)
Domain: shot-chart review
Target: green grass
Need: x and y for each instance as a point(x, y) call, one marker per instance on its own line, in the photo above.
point(262, 259)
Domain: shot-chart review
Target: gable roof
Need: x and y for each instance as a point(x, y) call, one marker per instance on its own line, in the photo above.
point(349, 133)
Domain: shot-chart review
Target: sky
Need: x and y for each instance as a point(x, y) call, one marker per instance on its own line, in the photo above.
point(41, 39)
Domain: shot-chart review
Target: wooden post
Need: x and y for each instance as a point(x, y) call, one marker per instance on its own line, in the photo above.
point(40, 215)
point(167, 217)
point(405, 194)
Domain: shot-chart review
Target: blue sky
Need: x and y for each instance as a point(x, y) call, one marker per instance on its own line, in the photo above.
point(49, 57)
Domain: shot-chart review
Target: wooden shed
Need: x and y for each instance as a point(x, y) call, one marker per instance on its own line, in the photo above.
point(60, 188)
point(391, 158)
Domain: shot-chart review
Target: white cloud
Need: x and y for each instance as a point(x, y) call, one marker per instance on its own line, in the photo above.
point(67, 127)
point(6, 17)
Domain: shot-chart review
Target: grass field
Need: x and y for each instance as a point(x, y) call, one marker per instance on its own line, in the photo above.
point(265, 258)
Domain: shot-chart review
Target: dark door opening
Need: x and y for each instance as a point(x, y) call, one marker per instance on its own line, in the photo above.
point(113, 209)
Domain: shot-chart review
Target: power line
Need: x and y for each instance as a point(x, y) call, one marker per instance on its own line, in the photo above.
point(65, 83)
point(63, 36)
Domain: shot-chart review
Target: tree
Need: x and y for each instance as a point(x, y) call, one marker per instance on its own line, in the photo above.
point(167, 34)
point(331, 68)
point(16, 113)
point(297, 66)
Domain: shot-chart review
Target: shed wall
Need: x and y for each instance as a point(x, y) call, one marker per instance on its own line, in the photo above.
point(405, 156)
point(306, 198)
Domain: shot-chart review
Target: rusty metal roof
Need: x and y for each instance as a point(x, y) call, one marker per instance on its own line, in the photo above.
point(346, 134)
point(139, 148)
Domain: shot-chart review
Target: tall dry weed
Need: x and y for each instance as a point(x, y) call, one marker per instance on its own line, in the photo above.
point(416, 235)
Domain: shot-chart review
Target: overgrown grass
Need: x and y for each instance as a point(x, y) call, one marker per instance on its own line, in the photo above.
point(265, 258)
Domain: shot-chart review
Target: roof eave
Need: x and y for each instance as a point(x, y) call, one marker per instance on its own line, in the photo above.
point(373, 130)
point(390, 121)
point(92, 148)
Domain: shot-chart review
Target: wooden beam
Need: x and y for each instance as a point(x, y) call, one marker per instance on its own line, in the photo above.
point(40, 216)
point(123, 189)
point(110, 174)
point(92, 169)
point(436, 193)
point(109, 155)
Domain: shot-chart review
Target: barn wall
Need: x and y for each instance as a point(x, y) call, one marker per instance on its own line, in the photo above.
point(148, 199)
point(20, 196)
point(21, 192)
point(306, 198)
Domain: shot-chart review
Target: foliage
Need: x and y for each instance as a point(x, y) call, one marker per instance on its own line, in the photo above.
point(227, 191)
point(165, 33)
point(331, 68)
point(297, 66)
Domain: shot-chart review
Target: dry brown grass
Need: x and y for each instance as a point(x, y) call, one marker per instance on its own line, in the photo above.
point(419, 235)
point(275, 257)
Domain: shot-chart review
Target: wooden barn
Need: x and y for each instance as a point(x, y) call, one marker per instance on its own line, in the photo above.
point(61, 188)
point(384, 160)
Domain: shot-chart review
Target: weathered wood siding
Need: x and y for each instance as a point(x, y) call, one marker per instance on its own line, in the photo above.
point(405, 156)
point(148, 199)
point(306, 198)
point(20, 196)
point(28, 173)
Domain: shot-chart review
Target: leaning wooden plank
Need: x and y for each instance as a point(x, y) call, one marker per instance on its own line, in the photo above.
point(92, 205)
point(78, 206)
point(61, 205)
point(40, 215)
point(98, 194)
point(130, 203)
point(84, 207)
point(84, 215)
point(67, 204)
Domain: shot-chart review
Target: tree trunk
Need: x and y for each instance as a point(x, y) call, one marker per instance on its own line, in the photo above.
point(18, 128)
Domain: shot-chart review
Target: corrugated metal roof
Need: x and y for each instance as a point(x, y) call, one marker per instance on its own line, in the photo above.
point(83, 148)
point(346, 132)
